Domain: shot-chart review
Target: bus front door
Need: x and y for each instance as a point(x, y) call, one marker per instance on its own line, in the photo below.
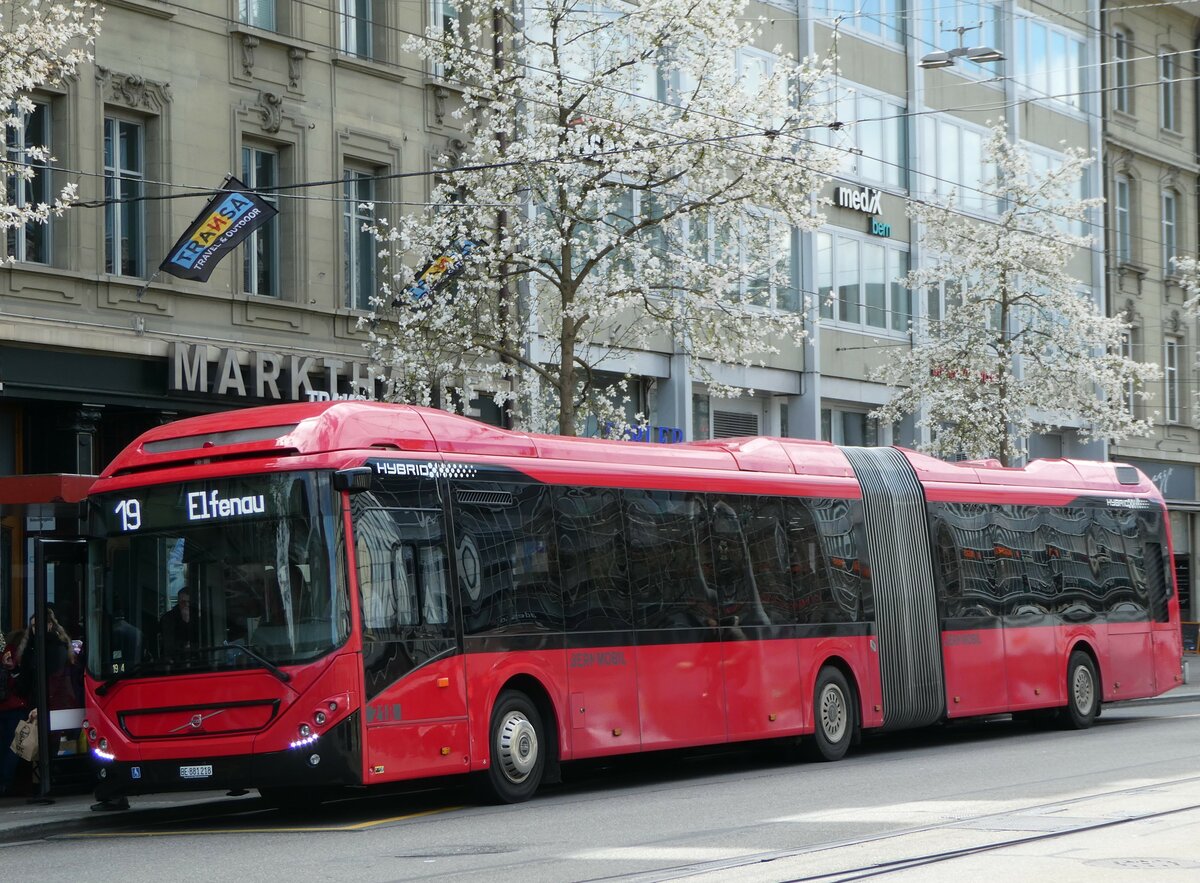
point(415, 702)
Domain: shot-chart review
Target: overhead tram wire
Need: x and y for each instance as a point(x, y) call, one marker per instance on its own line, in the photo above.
point(754, 133)
point(639, 97)
point(986, 106)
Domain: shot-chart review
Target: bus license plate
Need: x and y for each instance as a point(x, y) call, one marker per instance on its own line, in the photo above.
point(195, 772)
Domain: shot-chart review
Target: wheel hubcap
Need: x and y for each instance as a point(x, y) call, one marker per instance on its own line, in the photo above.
point(516, 746)
point(833, 713)
point(1082, 689)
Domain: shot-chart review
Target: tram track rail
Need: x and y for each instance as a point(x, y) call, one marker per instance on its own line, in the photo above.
point(879, 869)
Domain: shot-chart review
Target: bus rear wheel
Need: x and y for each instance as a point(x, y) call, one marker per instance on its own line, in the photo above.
point(518, 745)
point(834, 718)
point(1083, 693)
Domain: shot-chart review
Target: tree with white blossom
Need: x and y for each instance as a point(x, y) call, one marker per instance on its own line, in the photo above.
point(1019, 348)
point(629, 179)
point(41, 44)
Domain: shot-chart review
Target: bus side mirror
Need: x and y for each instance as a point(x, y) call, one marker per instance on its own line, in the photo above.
point(355, 480)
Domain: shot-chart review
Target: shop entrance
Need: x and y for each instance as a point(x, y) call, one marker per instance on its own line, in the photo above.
point(42, 612)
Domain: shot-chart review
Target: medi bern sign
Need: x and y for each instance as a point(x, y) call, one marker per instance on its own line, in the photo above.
point(867, 200)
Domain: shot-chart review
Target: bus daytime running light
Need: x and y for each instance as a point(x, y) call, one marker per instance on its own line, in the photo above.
point(103, 755)
point(307, 740)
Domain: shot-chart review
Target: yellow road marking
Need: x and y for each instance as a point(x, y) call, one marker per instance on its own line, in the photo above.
point(312, 829)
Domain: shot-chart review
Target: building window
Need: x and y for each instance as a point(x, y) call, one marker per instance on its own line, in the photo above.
point(1041, 164)
point(260, 171)
point(1168, 89)
point(1122, 220)
point(358, 263)
point(257, 13)
point(357, 28)
point(1128, 345)
point(1050, 61)
point(858, 283)
point(844, 427)
point(446, 17)
point(954, 163)
point(124, 182)
point(1170, 230)
point(876, 18)
point(1122, 74)
point(23, 136)
point(1171, 347)
point(874, 140)
point(761, 285)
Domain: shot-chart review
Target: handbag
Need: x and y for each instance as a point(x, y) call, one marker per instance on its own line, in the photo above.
point(25, 741)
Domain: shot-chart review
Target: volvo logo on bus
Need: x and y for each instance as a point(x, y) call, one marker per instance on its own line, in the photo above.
point(204, 506)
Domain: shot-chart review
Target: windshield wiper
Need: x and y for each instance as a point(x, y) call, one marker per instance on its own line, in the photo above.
point(253, 654)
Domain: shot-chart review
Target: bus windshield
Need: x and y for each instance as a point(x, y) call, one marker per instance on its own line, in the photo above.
point(214, 575)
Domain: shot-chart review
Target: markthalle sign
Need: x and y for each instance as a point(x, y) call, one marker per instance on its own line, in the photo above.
point(266, 376)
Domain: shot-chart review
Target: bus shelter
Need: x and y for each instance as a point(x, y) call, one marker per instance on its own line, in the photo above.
point(43, 556)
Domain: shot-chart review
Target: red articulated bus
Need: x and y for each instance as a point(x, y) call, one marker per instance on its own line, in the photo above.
point(349, 593)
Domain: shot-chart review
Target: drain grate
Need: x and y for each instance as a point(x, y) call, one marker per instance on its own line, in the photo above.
point(1143, 864)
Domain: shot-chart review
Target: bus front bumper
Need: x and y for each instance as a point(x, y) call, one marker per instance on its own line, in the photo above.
point(335, 759)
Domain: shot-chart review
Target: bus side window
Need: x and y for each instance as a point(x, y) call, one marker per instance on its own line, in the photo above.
point(592, 559)
point(401, 568)
point(666, 532)
point(376, 551)
point(808, 564)
point(967, 562)
point(508, 565)
point(837, 524)
point(1135, 559)
point(764, 526)
point(1158, 581)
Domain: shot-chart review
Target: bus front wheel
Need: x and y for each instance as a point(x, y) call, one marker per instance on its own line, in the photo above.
point(518, 745)
point(833, 713)
point(1083, 693)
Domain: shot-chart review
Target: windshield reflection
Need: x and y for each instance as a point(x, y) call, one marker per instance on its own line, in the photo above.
point(179, 585)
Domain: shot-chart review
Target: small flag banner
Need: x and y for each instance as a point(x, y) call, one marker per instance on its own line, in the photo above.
point(441, 270)
point(231, 216)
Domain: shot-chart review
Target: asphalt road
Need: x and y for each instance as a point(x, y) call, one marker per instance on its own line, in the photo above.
point(988, 800)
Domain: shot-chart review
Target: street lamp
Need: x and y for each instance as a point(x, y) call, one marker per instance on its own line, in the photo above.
point(975, 53)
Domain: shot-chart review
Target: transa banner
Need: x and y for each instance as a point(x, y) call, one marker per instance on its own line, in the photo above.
point(231, 216)
point(440, 271)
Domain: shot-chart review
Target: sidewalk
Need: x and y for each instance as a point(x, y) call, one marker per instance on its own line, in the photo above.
point(72, 813)
point(22, 820)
